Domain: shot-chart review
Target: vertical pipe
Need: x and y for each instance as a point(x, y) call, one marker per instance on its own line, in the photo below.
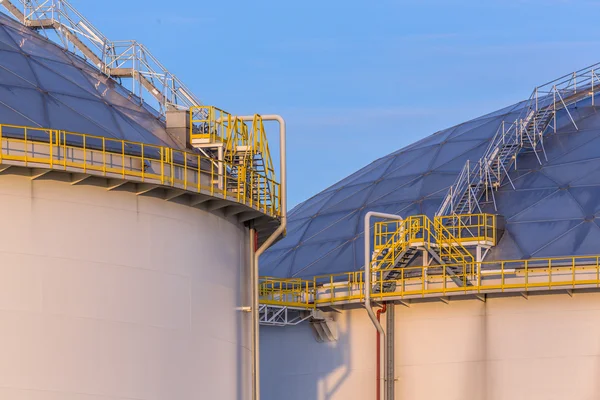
point(378, 367)
point(390, 350)
point(255, 316)
point(255, 263)
point(367, 266)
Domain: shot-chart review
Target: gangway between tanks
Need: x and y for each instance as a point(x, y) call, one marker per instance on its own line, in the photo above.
point(478, 180)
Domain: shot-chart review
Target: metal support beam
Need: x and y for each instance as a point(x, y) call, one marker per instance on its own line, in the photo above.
point(143, 188)
point(232, 210)
point(14, 10)
point(248, 216)
point(199, 199)
point(37, 173)
point(214, 205)
point(77, 178)
point(172, 194)
point(113, 184)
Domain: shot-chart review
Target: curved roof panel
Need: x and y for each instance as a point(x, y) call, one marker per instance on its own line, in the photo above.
point(43, 85)
point(551, 212)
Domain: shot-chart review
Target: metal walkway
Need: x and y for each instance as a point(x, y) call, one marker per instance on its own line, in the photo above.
point(149, 80)
point(123, 161)
point(478, 180)
point(509, 277)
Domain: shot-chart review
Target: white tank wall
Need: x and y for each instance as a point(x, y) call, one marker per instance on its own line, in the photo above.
point(542, 348)
point(107, 295)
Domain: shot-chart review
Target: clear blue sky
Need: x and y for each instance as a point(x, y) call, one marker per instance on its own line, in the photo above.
point(356, 79)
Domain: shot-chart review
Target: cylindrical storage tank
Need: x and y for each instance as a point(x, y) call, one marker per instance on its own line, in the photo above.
point(544, 346)
point(512, 313)
point(125, 254)
point(106, 294)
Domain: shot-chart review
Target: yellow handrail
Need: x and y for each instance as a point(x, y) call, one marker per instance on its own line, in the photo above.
point(245, 147)
point(210, 123)
point(136, 161)
point(470, 227)
point(445, 235)
point(569, 272)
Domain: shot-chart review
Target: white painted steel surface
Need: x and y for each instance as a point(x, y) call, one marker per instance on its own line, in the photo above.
point(546, 347)
point(106, 295)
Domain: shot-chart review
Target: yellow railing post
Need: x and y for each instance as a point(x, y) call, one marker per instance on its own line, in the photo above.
point(212, 181)
point(597, 271)
point(51, 146)
point(331, 289)
point(185, 172)
point(84, 155)
point(223, 176)
point(64, 147)
point(573, 267)
point(163, 155)
point(26, 149)
point(171, 157)
point(143, 163)
point(199, 173)
point(526, 275)
point(123, 158)
point(550, 274)
point(103, 155)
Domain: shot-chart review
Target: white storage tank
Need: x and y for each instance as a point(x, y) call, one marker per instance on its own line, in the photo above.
point(125, 255)
point(515, 317)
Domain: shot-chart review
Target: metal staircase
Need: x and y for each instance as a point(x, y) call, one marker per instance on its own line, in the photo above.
point(150, 81)
point(258, 158)
point(398, 243)
point(239, 145)
point(478, 180)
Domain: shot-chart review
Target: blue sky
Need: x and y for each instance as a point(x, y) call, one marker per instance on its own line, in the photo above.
point(357, 80)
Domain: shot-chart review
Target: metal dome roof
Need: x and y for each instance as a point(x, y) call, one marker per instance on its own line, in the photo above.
point(550, 213)
point(43, 85)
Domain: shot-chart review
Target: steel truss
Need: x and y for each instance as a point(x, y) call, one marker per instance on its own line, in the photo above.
point(150, 81)
point(274, 315)
point(478, 180)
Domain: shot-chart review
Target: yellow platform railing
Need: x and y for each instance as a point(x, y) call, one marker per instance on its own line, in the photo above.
point(449, 246)
point(469, 228)
point(210, 123)
point(508, 276)
point(135, 161)
point(446, 235)
point(244, 144)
